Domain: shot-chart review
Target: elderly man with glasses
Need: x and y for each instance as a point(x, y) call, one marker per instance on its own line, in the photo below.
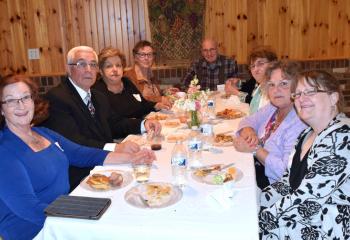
point(84, 115)
point(211, 69)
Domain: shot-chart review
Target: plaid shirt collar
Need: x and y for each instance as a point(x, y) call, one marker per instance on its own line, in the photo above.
point(217, 64)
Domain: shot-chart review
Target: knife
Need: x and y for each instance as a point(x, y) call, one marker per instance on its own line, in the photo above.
point(227, 166)
point(211, 168)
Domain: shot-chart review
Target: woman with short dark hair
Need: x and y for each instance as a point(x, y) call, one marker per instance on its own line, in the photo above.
point(141, 73)
point(258, 61)
point(124, 97)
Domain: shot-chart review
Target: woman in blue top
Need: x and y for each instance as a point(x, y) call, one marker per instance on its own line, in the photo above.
point(34, 161)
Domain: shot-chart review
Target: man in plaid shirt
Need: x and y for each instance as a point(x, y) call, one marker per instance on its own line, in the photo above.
point(212, 68)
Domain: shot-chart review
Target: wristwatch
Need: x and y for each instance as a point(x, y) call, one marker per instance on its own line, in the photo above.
point(259, 145)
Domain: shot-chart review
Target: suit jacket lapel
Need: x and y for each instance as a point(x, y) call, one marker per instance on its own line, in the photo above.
point(93, 124)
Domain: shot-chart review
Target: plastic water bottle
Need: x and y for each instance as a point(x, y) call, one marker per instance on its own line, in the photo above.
point(179, 164)
point(211, 108)
point(207, 135)
point(195, 145)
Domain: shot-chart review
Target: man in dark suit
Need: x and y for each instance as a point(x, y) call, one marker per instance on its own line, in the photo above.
point(84, 116)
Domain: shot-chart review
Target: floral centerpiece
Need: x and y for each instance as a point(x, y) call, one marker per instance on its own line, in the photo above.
point(193, 102)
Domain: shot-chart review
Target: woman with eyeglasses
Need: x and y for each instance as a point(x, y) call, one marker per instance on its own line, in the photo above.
point(271, 132)
point(125, 98)
point(312, 200)
point(141, 74)
point(258, 61)
point(34, 160)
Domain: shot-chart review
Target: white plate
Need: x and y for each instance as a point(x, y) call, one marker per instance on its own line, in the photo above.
point(238, 114)
point(208, 179)
point(222, 144)
point(127, 179)
point(215, 121)
point(165, 111)
point(134, 196)
point(157, 116)
point(138, 139)
point(172, 138)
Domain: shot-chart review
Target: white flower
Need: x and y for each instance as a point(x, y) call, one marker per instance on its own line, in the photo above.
point(195, 99)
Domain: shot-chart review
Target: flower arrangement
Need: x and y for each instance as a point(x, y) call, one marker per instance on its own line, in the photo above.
point(193, 102)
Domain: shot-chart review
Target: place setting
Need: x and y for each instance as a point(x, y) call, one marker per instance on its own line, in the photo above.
point(107, 180)
point(150, 195)
point(225, 178)
point(216, 174)
point(224, 139)
point(230, 113)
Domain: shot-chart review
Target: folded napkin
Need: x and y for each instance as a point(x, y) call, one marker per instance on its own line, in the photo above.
point(223, 196)
point(234, 99)
point(195, 164)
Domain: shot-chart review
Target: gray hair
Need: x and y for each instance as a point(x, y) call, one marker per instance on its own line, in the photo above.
point(71, 54)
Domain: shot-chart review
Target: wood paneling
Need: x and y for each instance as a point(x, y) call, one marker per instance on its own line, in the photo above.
point(55, 26)
point(296, 29)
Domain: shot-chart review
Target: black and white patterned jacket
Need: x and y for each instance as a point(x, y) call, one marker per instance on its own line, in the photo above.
point(320, 207)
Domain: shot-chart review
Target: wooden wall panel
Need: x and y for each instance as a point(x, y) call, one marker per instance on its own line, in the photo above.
point(17, 17)
point(112, 23)
point(118, 26)
point(56, 26)
point(296, 29)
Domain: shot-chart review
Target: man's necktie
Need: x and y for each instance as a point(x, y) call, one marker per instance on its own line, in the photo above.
point(89, 104)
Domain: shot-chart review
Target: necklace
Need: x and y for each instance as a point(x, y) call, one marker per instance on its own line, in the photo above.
point(279, 119)
point(35, 141)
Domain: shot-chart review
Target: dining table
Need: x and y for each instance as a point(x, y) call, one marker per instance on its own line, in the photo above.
point(202, 211)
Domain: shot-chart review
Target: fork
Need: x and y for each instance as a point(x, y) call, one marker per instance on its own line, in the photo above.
point(143, 200)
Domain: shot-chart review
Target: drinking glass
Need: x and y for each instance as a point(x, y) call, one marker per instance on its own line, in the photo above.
point(141, 171)
point(156, 143)
point(242, 96)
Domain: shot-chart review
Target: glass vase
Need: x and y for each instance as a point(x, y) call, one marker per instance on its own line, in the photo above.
point(195, 121)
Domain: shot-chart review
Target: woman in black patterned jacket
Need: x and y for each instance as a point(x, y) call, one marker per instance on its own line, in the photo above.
point(312, 200)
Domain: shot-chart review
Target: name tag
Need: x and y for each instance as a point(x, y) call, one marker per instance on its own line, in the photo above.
point(137, 97)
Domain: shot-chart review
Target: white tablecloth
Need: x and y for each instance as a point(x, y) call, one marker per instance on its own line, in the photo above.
point(196, 216)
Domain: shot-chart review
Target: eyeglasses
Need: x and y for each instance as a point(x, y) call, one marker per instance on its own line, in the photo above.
point(144, 55)
point(209, 50)
point(82, 65)
point(307, 92)
point(284, 84)
point(258, 64)
point(13, 102)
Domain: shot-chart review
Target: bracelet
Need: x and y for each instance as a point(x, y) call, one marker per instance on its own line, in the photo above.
point(259, 145)
point(256, 149)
